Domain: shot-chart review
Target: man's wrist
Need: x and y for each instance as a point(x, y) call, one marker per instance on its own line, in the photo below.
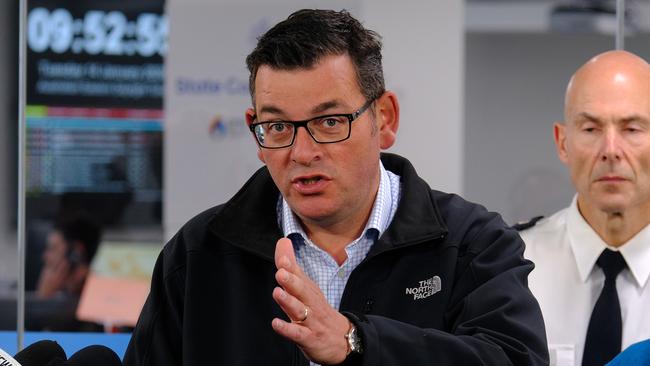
point(354, 352)
point(353, 340)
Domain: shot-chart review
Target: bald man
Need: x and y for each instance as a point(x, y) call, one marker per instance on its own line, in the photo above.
point(593, 258)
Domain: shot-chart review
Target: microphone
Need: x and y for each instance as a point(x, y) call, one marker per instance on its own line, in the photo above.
point(90, 356)
point(37, 354)
point(6, 360)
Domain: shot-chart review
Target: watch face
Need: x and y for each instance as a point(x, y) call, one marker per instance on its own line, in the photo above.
point(354, 341)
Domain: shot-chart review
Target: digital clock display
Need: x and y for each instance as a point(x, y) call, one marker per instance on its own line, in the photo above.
point(96, 32)
point(97, 53)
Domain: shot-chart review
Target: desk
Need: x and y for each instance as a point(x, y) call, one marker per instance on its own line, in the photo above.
point(70, 342)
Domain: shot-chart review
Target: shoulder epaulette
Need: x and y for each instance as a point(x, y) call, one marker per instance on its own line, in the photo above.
point(523, 225)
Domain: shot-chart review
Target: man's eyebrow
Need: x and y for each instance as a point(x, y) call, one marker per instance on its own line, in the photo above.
point(270, 109)
point(635, 118)
point(326, 106)
point(588, 117)
point(584, 116)
point(320, 108)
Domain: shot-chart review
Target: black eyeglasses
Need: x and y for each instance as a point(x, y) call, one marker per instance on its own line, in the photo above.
point(323, 129)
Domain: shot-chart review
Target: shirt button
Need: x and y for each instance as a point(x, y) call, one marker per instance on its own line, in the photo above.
point(341, 273)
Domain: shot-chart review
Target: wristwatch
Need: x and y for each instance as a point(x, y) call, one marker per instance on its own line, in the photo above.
point(354, 342)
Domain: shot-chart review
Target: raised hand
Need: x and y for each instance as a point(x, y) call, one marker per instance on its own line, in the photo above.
point(317, 328)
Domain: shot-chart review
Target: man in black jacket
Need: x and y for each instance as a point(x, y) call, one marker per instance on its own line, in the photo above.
point(334, 253)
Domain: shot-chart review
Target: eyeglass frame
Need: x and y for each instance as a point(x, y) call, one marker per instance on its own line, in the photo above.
point(297, 124)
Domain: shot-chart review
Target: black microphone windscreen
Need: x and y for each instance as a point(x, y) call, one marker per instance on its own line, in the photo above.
point(94, 356)
point(57, 362)
point(40, 353)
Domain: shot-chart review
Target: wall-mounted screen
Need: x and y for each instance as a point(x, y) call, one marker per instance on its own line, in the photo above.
point(94, 114)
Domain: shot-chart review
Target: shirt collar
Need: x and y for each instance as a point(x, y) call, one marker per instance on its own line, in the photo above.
point(637, 255)
point(587, 247)
point(379, 218)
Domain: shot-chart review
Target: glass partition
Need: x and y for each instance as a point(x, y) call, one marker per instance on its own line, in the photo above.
point(93, 162)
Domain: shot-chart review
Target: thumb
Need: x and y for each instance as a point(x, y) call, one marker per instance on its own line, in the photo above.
point(285, 256)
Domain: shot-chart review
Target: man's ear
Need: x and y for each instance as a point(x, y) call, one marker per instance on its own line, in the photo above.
point(559, 135)
point(250, 117)
point(387, 115)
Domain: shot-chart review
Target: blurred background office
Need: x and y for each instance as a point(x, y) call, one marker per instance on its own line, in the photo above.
point(93, 158)
point(135, 112)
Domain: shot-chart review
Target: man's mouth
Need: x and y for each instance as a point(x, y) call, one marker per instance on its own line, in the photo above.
point(611, 178)
point(308, 181)
point(310, 184)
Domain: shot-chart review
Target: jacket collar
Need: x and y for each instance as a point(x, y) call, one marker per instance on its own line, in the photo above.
point(249, 219)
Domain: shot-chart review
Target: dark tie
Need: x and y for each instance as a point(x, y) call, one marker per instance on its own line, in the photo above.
point(603, 340)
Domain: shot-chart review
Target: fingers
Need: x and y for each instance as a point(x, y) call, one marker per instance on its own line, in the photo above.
point(326, 345)
point(292, 283)
point(295, 309)
point(292, 331)
point(297, 289)
point(297, 330)
point(317, 328)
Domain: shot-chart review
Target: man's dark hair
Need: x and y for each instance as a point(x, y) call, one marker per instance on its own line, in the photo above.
point(308, 35)
point(82, 228)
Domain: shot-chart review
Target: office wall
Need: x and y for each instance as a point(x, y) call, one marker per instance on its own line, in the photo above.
point(423, 64)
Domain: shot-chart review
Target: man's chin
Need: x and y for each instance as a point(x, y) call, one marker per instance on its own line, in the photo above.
point(614, 206)
point(311, 210)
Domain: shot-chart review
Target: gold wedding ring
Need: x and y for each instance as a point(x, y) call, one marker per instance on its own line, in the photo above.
point(304, 316)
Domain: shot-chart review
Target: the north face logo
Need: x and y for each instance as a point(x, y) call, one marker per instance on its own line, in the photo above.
point(425, 289)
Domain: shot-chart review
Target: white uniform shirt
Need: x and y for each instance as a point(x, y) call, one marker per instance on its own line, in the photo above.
point(567, 281)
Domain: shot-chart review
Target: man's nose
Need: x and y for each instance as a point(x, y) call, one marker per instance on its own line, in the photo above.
point(304, 149)
point(611, 146)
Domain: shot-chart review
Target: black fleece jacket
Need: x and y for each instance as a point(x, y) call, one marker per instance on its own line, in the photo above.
point(445, 284)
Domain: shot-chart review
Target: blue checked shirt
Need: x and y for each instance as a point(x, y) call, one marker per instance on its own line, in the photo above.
point(317, 263)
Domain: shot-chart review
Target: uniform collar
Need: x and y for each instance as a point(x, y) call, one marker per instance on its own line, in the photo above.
point(587, 247)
